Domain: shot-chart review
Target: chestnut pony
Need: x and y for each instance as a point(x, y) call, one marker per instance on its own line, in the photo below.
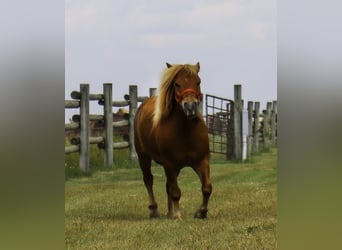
point(170, 130)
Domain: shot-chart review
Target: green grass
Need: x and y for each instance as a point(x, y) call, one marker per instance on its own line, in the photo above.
point(108, 209)
point(96, 159)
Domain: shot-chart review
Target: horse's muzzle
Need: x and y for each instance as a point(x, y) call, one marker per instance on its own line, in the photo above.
point(190, 109)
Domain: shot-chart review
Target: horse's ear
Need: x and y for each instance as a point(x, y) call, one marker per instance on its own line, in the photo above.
point(168, 65)
point(198, 66)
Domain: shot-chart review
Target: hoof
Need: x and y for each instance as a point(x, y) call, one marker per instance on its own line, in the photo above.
point(154, 211)
point(174, 216)
point(201, 214)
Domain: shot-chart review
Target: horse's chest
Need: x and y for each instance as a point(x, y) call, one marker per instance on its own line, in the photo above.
point(182, 146)
point(178, 138)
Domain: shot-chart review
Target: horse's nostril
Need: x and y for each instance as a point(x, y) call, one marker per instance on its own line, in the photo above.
point(190, 108)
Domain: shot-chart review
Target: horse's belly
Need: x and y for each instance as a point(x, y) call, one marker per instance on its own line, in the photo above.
point(188, 158)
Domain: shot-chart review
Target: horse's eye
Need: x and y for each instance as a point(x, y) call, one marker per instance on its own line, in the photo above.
point(177, 85)
point(199, 83)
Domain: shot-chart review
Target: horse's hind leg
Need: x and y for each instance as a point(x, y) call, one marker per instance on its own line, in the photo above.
point(202, 170)
point(145, 165)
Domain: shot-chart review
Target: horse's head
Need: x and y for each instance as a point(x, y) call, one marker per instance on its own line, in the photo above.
point(187, 89)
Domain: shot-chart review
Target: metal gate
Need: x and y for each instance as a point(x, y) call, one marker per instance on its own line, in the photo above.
point(220, 124)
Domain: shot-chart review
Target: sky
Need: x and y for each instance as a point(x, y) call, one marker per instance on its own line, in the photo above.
point(128, 42)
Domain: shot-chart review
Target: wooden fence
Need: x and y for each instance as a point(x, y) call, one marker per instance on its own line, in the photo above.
point(261, 126)
point(81, 101)
point(244, 131)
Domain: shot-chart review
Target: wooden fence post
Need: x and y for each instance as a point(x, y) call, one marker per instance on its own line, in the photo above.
point(250, 129)
point(256, 127)
point(266, 132)
point(274, 124)
point(133, 104)
point(108, 124)
point(84, 127)
point(153, 92)
point(237, 122)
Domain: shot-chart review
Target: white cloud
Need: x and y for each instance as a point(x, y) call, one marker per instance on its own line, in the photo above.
point(258, 30)
point(231, 20)
point(205, 24)
point(123, 41)
point(80, 16)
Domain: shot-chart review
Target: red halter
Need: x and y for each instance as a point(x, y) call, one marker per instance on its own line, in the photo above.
point(188, 90)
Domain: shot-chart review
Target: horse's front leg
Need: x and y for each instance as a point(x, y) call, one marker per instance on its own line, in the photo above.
point(203, 171)
point(173, 193)
point(145, 164)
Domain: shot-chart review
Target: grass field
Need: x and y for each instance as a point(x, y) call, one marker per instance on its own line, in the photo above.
point(108, 209)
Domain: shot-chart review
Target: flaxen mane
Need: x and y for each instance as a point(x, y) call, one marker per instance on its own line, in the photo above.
point(166, 97)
